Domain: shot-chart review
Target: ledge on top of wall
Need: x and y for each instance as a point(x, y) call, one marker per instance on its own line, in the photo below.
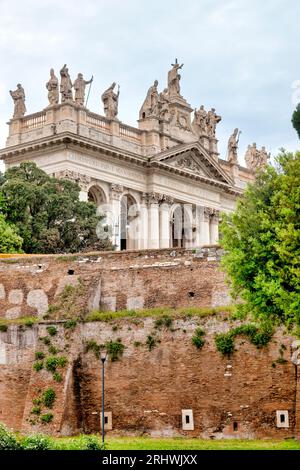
point(205, 251)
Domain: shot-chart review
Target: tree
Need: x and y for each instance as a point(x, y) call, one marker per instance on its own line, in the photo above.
point(47, 212)
point(10, 241)
point(296, 120)
point(262, 242)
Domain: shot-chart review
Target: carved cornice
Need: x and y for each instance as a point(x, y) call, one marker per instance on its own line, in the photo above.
point(78, 178)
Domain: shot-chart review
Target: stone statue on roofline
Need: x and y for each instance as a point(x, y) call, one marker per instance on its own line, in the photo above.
point(212, 120)
point(111, 101)
point(52, 87)
point(233, 144)
point(164, 105)
point(18, 97)
point(174, 79)
point(65, 85)
point(200, 121)
point(79, 87)
point(255, 158)
point(150, 105)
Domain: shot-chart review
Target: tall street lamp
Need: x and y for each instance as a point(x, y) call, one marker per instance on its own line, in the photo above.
point(103, 359)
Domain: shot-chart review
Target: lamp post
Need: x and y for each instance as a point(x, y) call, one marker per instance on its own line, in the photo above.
point(103, 359)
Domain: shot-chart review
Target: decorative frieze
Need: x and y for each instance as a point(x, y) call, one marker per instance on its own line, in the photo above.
point(78, 178)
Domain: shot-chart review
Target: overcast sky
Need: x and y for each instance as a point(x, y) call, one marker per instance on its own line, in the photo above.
point(240, 56)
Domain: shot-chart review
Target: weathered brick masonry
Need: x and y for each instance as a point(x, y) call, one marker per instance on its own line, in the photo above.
point(146, 391)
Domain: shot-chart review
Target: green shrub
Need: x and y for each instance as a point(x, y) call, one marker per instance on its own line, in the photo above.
point(197, 339)
point(115, 328)
point(164, 321)
point(39, 355)
point(8, 440)
point(52, 330)
point(36, 410)
point(259, 336)
point(52, 350)
point(36, 442)
point(91, 345)
point(38, 365)
point(37, 401)
point(114, 349)
point(57, 377)
point(49, 397)
point(51, 364)
point(224, 343)
point(47, 418)
point(46, 340)
point(62, 361)
point(3, 327)
point(92, 443)
point(137, 344)
point(70, 324)
point(29, 323)
point(151, 342)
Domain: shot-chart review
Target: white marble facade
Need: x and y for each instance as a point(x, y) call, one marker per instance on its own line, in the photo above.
point(160, 185)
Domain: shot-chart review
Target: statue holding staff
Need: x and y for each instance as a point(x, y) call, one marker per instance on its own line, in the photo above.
point(19, 101)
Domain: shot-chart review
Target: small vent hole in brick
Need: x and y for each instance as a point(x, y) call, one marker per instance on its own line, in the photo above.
point(235, 426)
point(71, 272)
point(191, 295)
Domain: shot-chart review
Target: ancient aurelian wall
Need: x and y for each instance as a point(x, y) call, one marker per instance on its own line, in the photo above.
point(146, 388)
point(113, 281)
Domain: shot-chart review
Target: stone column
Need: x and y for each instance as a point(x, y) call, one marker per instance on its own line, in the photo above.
point(214, 227)
point(115, 202)
point(164, 222)
point(143, 239)
point(204, 235)
point(153, 220)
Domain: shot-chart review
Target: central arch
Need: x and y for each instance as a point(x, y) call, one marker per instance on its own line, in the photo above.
point(129, 218)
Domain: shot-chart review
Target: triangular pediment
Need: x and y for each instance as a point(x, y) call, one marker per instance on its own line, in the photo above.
point(193, 159)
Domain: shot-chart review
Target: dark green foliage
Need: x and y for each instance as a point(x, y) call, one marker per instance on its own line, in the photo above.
point(49, 397)
point(163, 322)
point(114, 349)
point(8, 440)
point(53, 362)
point(296, 120)
point(92, 443)
point(10, 241)
point(151, 342)
point(46, 340)
point(39, 355)
point(47, 418)
point(197, 339)
point(52, 330)
point(36, 442)
point(47, 213)
point(3, 327)
point(137, 344)
point(70, 324)
point(53, 350)
point(57, 377)
point(38, 365)
point(262, 243)
point(92, 345)
point(37, 401)
point(29, 323)
point(36, 410)
point(259, 336)
point(224, 343)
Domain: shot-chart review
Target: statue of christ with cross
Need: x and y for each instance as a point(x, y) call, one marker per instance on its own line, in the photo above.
point(174, 79)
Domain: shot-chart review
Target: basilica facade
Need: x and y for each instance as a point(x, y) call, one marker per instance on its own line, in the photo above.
point(161, 184)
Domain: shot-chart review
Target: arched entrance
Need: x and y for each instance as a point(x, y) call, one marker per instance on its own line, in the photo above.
point(96, 195)
point(129, 223)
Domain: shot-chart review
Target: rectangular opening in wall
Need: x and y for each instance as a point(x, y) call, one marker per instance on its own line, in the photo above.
point(235, 426)
point(107, 420)
point(187, 420)
point(282, 419)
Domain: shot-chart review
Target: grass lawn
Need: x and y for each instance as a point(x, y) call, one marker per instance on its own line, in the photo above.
point(147, 443)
